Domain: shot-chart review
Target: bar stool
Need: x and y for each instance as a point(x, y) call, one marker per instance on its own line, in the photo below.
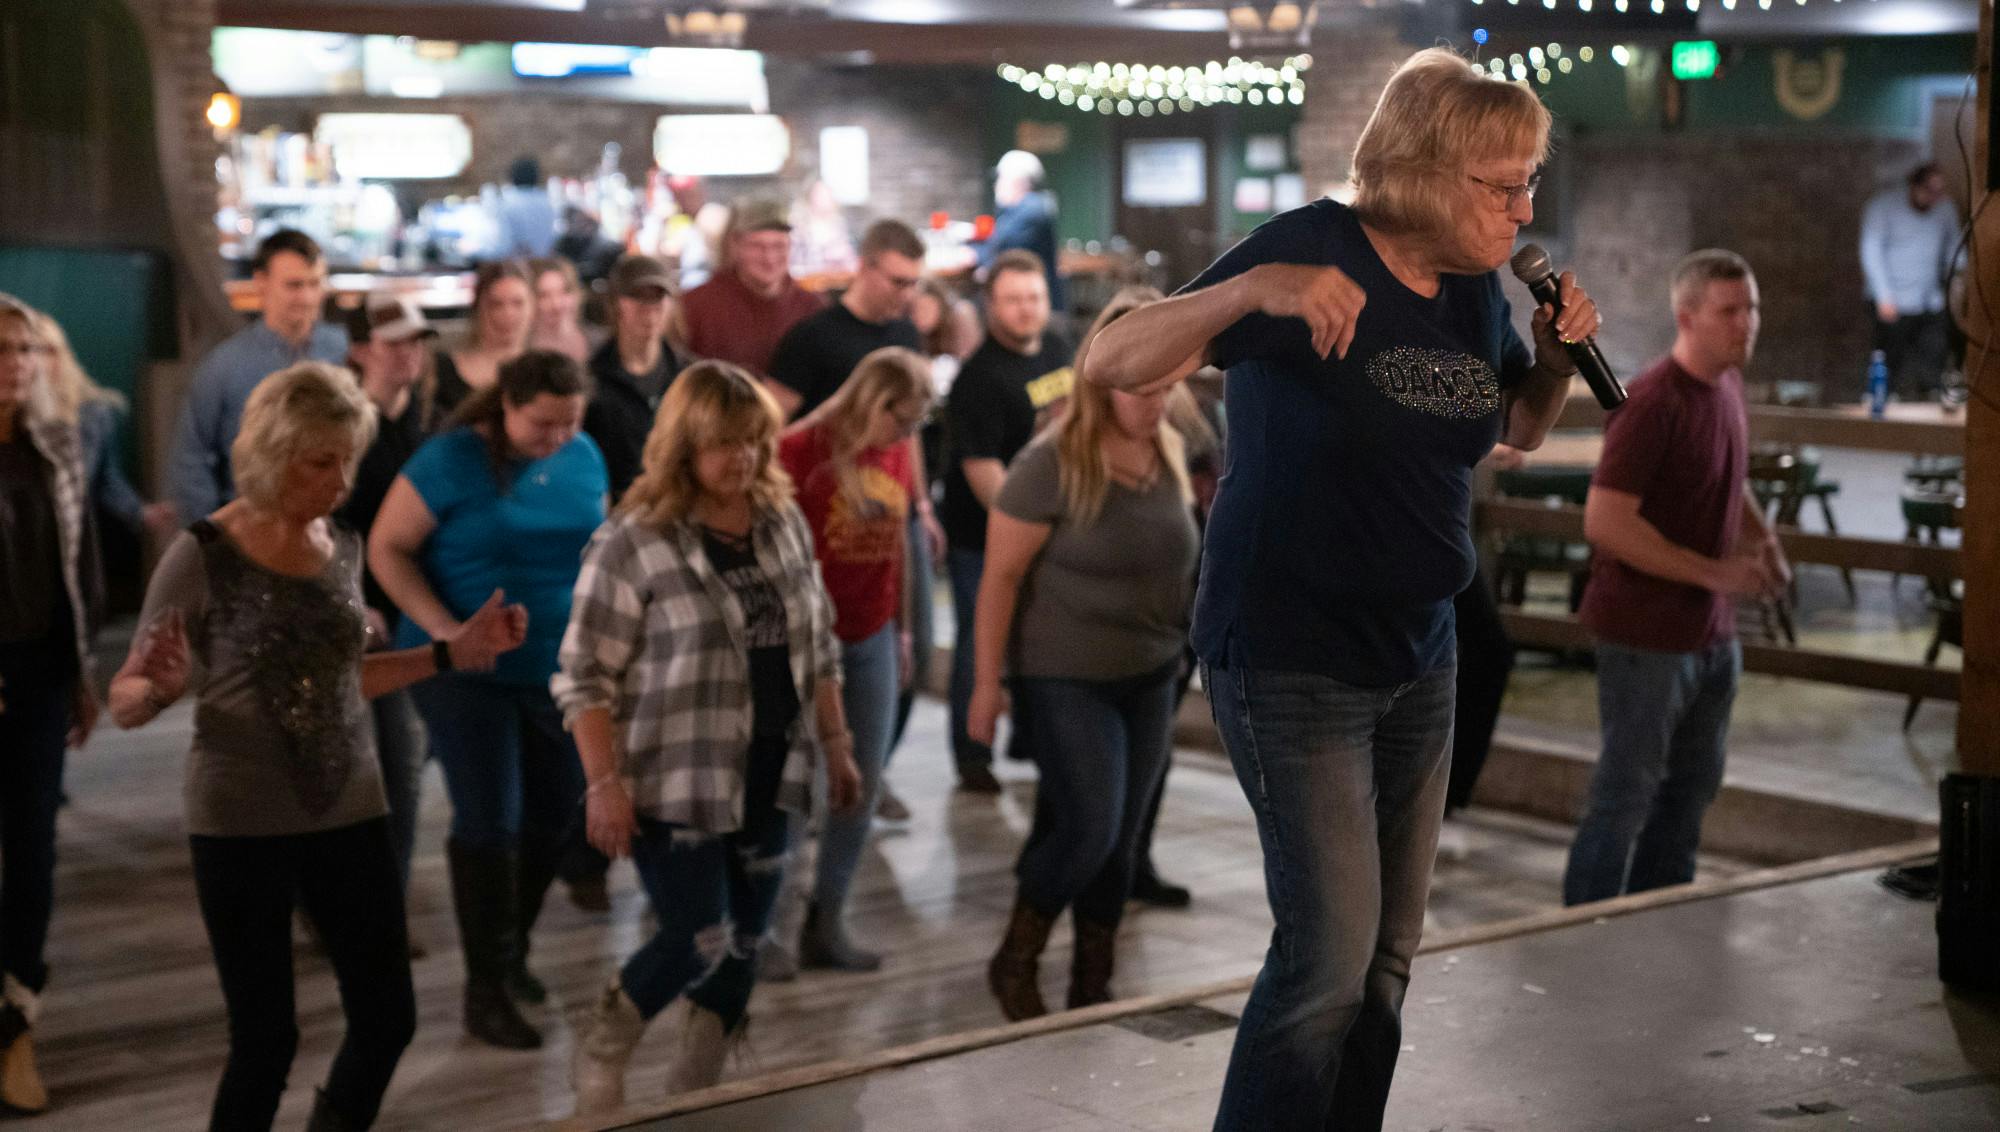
point(1927, 515)
point(1521, 555)
point(1784, 478)
point(1936, 473)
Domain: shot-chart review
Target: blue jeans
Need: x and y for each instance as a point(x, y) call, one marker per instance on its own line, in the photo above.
point(713, 896)
point(868, 693)
point(1348, 786)
point(510, 768)
point(1665, 717)
point(399, 746)
point(1101, 747)
point(966, 567)
point(921, 627)
point(38, 683)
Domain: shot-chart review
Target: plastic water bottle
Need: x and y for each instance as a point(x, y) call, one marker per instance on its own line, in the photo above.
point(1878, 384)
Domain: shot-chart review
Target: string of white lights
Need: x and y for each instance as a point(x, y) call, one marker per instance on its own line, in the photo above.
point(1659, 7)
point(1134, 88)
point(1544, 63)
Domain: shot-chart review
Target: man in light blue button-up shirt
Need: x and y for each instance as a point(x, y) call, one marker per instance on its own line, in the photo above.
point(1908, 238)
point(290, 276)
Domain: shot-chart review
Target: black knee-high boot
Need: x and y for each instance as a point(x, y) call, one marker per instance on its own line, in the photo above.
point(484, 895)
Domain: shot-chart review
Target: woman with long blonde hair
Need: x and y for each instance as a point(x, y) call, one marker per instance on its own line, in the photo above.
point(503, 317)
point(857, 485)
point(700, 675)
point(558, 323)
point(1084, 601)
point(48, 698)
point(99, 414)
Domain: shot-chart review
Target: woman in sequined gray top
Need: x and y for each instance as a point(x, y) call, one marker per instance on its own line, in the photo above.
point(257, 610)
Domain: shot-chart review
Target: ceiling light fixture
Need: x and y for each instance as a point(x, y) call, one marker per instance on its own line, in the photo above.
point(1282, 26)
point(706, 25)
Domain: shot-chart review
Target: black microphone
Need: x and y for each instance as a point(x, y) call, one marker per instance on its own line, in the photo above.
point(1531, 266)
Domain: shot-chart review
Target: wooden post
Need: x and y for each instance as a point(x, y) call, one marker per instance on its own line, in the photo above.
point(1979, 703)
point(1968, 917)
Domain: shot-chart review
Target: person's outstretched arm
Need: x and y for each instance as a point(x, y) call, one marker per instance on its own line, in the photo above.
point(1150, 344)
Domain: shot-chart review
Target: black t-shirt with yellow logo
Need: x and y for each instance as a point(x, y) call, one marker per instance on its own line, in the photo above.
point(998, 402)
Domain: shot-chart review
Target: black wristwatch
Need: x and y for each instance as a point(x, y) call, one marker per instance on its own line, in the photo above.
point(441, 655)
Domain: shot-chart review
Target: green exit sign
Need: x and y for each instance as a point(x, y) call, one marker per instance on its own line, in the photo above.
point(1695, 59)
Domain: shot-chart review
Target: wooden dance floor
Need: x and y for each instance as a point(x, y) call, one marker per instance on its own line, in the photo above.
point(1799, 1006)
point(134, 1035)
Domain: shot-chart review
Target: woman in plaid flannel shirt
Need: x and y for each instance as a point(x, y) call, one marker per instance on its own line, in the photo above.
point(701, 678)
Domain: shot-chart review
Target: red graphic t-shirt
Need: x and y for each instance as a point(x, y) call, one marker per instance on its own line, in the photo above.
point(859, 541)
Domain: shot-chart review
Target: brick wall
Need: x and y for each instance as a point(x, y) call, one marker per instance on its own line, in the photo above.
point(1348, 73)
point(177, 34)
point(184, 80)
point(922, 122)
point(1788, 202)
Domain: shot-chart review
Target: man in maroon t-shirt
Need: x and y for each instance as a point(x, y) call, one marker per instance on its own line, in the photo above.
point(740, 314)
point(1677, 536)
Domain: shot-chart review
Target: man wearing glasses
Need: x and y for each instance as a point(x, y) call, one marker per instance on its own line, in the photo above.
point(816, 355)
point(740, 314)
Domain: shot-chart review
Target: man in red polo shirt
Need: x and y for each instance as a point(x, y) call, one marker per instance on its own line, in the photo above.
point(739, 315)
point(1677, 539)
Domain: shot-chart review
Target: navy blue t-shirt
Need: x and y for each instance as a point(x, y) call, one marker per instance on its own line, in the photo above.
point(1341, 530)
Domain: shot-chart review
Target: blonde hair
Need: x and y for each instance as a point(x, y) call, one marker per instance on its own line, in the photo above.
point(40, 403)
point(555, 265)
point(70, 388)
point(1083, 468)
point(885, 377)
point(709, 403)
point(1437, 115)
point(290, 409)
point(490, 275)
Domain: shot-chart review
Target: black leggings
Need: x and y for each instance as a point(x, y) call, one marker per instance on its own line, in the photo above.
point(1485, 661)
point(348, 881)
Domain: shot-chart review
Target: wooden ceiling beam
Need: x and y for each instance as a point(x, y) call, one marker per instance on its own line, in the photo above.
point(802, 36)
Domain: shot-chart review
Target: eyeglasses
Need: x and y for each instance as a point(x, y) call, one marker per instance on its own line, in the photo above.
point(1514, 194)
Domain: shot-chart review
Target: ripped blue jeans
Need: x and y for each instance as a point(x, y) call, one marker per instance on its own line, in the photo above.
point(713, 895)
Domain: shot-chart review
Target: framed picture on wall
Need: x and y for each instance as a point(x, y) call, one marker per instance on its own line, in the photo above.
point(1264, 153)
point(843, 163)
point(1253, 194)
point(1288, 191)
point(1166, 172)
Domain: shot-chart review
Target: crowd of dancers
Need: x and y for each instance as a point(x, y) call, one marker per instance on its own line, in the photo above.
point(663, 592)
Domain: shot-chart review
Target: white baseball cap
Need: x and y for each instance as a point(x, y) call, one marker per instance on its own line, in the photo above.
point(389, 318)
